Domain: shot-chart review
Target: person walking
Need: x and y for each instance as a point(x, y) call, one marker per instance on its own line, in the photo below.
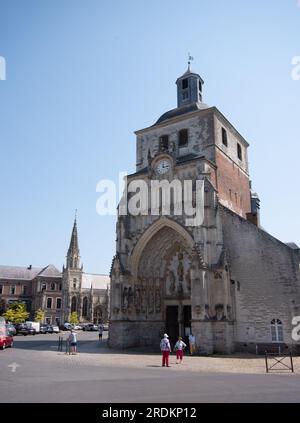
point(165, 348)
point(73, 341)
point(179, 347)
point(192, 343)
point(100, 329)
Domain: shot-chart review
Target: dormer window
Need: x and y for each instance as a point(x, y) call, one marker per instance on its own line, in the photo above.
point(239, 151)
point(183, 138)
point(185, 83)
point(200, 86)
point(164, 143)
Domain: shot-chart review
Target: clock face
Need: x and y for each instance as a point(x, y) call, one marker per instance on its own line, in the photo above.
point(163, 166)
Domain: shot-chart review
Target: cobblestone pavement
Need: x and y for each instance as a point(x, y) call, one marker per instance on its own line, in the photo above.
point(34, 371)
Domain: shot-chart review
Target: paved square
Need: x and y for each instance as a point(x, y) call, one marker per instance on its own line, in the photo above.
point(34, 371)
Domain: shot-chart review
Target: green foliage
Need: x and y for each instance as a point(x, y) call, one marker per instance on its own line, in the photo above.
point(74, 318)
point(16, 313)
point(39, 315)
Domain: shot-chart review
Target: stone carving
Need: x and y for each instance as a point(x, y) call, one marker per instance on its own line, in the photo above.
point(188, 282)
point(143, 297)
point(125, 298)
point(180, 288)
point(180, 267)
point(151, 300)
point(157, 300)
point(171, 278)
point(130, 296)
point(219, 312)
point(137, 299)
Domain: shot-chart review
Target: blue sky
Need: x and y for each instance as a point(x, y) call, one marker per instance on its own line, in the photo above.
point(83, 75)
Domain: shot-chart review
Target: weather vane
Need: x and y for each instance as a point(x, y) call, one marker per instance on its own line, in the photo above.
point(190, 58)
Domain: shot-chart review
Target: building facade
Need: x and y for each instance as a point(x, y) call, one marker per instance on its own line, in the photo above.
point(57, 293)
point(226, 280)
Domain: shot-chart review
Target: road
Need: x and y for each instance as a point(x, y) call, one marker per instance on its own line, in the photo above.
point(34, 371)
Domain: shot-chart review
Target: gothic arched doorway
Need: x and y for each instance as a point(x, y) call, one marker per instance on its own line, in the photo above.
point(74, 304)
point(163, 289)
point(98, 314)
point(85, 308)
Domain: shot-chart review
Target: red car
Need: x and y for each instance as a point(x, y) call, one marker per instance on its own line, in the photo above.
point(6, 340)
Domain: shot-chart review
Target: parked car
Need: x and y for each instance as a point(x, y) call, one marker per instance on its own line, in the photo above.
point(105, 326)
point(34, 325)
point(55, 329)
point(76, 327)
point(23, 329)
point(6, 340)
point(43, 328)
point(11, 329)
point(67, 326)
point(91, 327)
point(49, 329)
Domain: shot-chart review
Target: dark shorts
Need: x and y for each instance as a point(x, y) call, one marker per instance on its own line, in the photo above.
point(73, 344)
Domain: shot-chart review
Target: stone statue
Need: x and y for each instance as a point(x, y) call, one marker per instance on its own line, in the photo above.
point(172, 285)
point(188, 282)
point(125, 298)
point(157, 300)
point(130, 296)
point(180, 269)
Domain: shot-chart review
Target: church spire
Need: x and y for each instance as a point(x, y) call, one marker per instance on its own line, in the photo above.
point(73, 257)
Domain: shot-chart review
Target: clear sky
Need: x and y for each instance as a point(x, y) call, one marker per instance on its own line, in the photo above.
point(83, 75)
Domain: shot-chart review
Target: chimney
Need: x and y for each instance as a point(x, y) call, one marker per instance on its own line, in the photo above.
point(254, 215)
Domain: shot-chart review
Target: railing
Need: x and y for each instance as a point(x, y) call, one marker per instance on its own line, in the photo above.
point(279, 362)
point(61, 343)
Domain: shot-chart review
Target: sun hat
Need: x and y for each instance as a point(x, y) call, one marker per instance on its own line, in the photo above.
point(166, 336)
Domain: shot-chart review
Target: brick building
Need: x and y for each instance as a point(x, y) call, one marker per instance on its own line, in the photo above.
point(226, 280)
point(57, 293)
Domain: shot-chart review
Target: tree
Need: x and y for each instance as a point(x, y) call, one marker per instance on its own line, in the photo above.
point(39, 315)
point(74, 318)
point(16, 313)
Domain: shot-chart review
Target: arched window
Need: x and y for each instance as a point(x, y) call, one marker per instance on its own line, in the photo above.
point(85, 307)
point(276, 330)
point(73, 304)
point(52, 286)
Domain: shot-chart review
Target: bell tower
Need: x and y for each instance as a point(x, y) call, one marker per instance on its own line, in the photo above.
point(189, 88)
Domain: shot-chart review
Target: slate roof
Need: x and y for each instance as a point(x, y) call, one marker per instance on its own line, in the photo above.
point(189, 108)
point(19, 272)
point(292, 245)
point(97, 281)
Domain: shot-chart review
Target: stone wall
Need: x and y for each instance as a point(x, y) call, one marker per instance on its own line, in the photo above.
point(265, 274)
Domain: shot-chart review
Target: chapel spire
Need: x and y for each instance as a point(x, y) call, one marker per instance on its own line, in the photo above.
point(73, 256)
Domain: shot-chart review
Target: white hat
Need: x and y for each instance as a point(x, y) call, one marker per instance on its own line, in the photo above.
point(166, 336)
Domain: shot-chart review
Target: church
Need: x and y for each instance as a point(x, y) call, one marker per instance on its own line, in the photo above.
point(57, 293)
point(227, 280)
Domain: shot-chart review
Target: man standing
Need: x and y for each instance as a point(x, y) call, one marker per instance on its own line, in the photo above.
point(165, 348)
point(192, 342)
point(100, 329)
point(73, 341)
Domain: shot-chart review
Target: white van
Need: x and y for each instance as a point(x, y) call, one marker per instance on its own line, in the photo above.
point(34, 325)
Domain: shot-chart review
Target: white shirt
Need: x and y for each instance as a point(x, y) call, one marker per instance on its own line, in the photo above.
point(192, 339)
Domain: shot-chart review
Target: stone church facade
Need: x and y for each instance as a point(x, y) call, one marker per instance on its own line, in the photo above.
point(57, 293)
point(226, 280)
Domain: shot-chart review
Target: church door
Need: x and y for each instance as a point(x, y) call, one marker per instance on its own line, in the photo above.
point(172, 326)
